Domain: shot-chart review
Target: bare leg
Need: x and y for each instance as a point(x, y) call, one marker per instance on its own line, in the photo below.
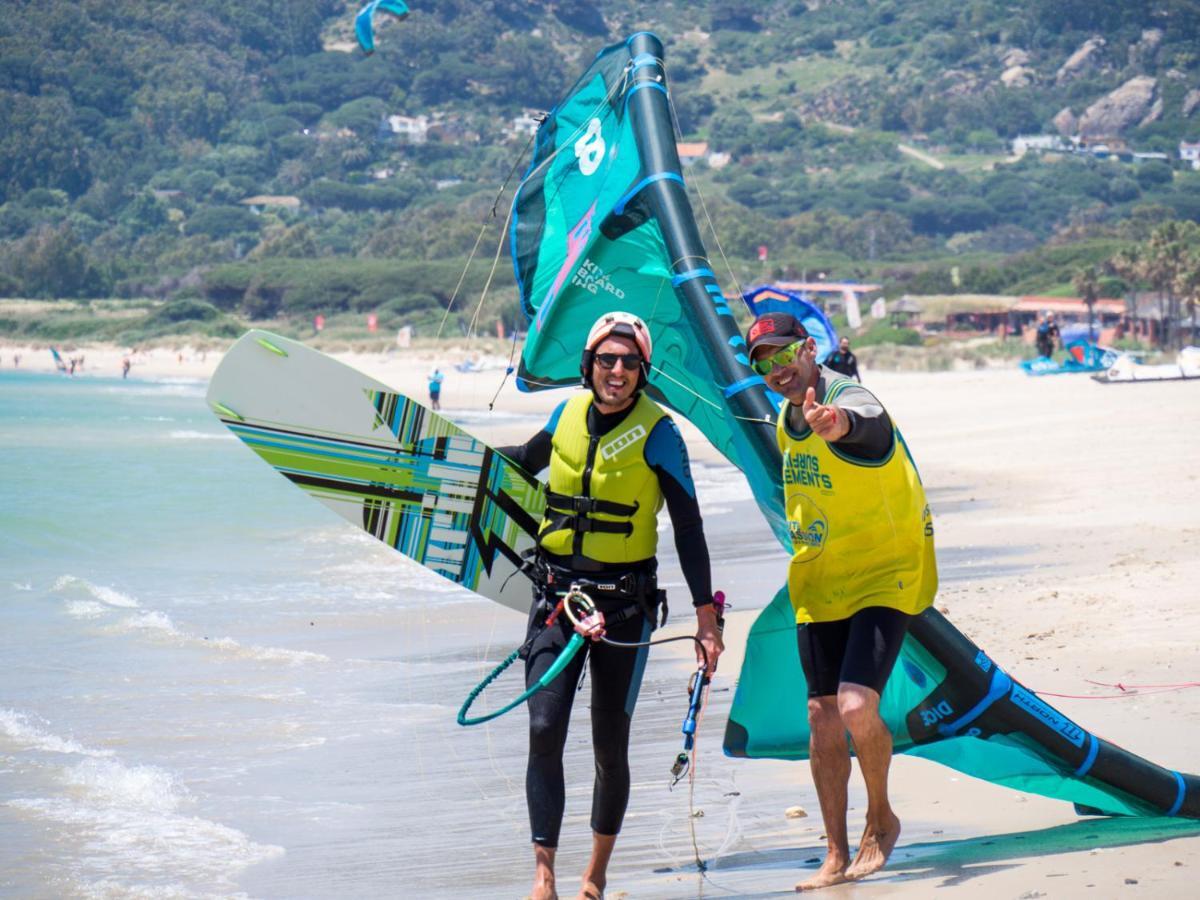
point(859, 708)
point(543, 876)
point(829, 757)
point(595, 876)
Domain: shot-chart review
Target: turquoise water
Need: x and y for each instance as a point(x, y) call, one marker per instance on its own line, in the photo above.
point(188, 641)
point(214, 687)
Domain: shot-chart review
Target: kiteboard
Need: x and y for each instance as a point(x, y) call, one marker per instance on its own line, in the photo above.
point(382, 461)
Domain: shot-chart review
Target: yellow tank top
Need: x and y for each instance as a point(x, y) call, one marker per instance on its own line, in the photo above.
point(614, 518)
point(862, 533)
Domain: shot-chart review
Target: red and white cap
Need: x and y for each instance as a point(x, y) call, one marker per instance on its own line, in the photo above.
point(622, 324)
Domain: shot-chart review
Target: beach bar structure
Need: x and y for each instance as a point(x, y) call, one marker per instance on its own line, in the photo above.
point(1109, 314)
point(832, 296)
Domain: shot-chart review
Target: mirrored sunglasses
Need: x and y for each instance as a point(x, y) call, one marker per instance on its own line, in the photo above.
point(784, 357)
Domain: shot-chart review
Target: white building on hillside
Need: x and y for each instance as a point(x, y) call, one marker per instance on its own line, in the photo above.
point(413, 129)
point(1190, 153)
point(526, 124)
point(1040, 143)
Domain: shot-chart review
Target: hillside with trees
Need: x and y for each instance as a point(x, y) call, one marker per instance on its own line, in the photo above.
point(246, 159)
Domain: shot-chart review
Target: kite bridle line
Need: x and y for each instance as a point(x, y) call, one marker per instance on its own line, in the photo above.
point(491, 214)
point(620, 86)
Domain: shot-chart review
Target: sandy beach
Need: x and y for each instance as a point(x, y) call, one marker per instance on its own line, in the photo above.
point(1068, 530)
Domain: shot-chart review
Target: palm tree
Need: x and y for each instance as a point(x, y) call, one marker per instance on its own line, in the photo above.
point(1187, 285)
point(1128, 265)
point(1165, 255)
point(1087, 283)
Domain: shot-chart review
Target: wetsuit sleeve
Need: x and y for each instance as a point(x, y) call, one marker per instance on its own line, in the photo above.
point(667, 456)
point(853, 373)
point(534, 455)
point(870, 436)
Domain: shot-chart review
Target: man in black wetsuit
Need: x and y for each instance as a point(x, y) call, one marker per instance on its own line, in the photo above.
point(1047, 335)
point(614, 458)
point(843, 361)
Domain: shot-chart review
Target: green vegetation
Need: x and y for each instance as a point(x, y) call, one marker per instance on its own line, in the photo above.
point(235, 161)
point(128, 323)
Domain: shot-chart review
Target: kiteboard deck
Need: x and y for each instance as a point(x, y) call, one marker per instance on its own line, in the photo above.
point(405, 475)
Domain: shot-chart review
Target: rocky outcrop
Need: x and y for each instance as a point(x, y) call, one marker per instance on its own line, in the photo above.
point(1015, 57)
point(1156, 111)
point(1087, 57)
point(1065, 122)
point(1142, 54)
point(1017, 77)
point(1191, 100)
point(959, 83)
point(1123, 108)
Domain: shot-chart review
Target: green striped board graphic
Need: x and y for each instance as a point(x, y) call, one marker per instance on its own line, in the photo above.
point(382, 461)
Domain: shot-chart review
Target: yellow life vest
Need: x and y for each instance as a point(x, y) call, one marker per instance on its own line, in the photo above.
point(603, 499)
point(862, 533)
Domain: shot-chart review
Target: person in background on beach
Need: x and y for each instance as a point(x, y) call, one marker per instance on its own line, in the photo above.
point(1047, 335)
point(862, 566)
point(435, 389)
point(16, 360)
point(843, 361)
point(125, 364)
point(614, 457)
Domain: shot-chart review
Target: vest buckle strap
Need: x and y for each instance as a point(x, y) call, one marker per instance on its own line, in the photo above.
point(582, 505)
point(583, 525)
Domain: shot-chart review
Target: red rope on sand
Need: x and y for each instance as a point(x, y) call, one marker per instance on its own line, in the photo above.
point(1125, 687)
point(1127, 690)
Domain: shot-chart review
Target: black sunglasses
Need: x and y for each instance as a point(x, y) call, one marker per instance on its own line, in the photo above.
point(630, 361)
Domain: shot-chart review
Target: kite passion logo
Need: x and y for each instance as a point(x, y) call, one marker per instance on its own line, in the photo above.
point(808, 528)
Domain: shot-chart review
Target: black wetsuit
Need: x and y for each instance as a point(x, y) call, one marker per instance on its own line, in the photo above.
point(844, 363)
point(616, 672)
point(1047, 337)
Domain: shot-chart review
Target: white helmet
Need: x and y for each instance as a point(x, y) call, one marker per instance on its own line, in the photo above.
point(621, 324)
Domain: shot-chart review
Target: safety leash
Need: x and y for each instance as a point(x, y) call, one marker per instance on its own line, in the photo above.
point(573, 596)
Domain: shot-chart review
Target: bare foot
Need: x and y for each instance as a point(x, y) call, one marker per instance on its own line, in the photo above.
point(590, 891)
point(832, 871)
point(874, 849)
point(543, 889)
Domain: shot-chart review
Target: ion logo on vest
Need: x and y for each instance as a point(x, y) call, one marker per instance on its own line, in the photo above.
point(620, 442)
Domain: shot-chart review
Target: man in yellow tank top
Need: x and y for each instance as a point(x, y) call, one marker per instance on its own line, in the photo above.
point(862, 566)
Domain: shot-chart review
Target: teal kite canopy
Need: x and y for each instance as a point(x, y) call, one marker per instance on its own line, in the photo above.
point(364, 22)
point(602, 222)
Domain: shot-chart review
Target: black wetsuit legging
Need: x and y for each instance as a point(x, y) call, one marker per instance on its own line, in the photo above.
point(616, 676)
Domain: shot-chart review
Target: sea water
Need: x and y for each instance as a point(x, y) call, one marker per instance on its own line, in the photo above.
point(212, 686)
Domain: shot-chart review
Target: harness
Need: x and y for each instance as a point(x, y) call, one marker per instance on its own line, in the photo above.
point(619, 595)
